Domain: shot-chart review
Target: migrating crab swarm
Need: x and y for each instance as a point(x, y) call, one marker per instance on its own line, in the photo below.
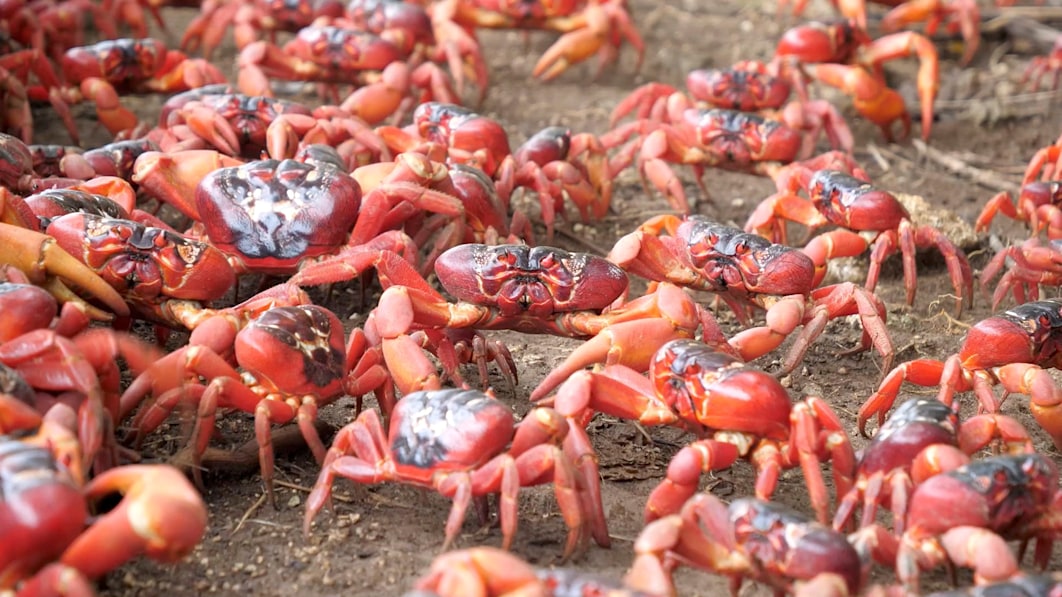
point(1013, 349)
point(749, 273)
point(465, 444)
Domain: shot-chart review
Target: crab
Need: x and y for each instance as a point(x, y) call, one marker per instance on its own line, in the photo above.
point(249, 19)
point(310, 336)
point(329, 221)
point(922, 438)
point(55, 545)
point(106, 70)
point(1037, 205)
point(856, 206)
point(842, 54)
point(1042, 66)
point(957, 15)
point(1014, 349)
point(1031, 264)
point(534, 290)
point(749, 538)
point(589, 26)
point(749, 272)
point(493, 572)
point(988, 502)
point(330, 53)
point(737, 410)
point(17, 92)
point(252, 127)
point(464, 444)
point(702, 138)
point(554, 163)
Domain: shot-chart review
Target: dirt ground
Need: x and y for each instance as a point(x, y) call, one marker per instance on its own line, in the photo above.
point(379, 539)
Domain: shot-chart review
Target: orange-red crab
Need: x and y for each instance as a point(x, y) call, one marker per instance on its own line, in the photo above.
point(465, 444)
point(922, 438)
point(589, 27)
point(956, 15)
point(327, 52)
point(965, 517)
point(554, 163)
point(1013, 349)
point(535, 290)
point(1042, 66)
point(1038, 205)
point(857, 206)
point(750, 538)
point(700, 138)
point(739, 412)
point(749, 272)
point(842, 54)
point(264, 380)
point(1030, 265)
point(106, 70)
point(492, 572)
point(17, 92)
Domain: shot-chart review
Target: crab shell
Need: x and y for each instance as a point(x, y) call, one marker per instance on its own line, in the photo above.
point(719, 391)
point(447, 430)
point(535, 281)
point(853, 203)
point(917, 423)
point(315, 334)
point(1028, 333)
point(273, 214)
point(739, 140)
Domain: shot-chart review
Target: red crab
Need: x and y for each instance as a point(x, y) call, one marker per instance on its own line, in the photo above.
point(857, 206)
point(17, 93)
point(249, 19)
point(307, 336)
point(843, 55)
point(106, 70)
point(1033, 264)
point(554, 163)
point(46, 514)
point(332, 54)
point(1042, 66)
point(699, 138)
point(1014, 349)
point(535, 290)
point(749, 272)
point(750, 538)
point(1045, 163)
point(464, 444)
point(965, 516)
point(737, 410)
point(919, 440)
point(1037, 205)
point(492, 572)
point(957, 15)
point(589, 26)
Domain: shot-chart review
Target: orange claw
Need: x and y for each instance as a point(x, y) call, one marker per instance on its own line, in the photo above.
point(899, 45)
point(870, 96)
point(161, 515)
point(45, 263)
point(958, 15)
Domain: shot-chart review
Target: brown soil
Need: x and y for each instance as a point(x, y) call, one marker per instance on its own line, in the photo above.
point(379, 539)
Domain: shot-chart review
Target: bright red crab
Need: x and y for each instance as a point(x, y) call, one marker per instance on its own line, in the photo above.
point(1038, 205)
point(109, 69)
point(737, 411)
point(535, 290)
point(750, 538)
point(1013, 349)
point(492, 572)
point(1042, 66)
point(749, 273)
point(307, 336)
point(589, 27)
point(1029, 266)
point(699, 138)
point(554, 163)
point(390, 82)
point(921, 439)
point(56, 547)
point(857, 206)
point(843, 55)
point(464, 444)
point(964, 517)
point(958, 16)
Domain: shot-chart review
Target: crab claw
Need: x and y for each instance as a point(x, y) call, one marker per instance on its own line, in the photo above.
point(161, 515)
point(44, 262)
point(173, 180)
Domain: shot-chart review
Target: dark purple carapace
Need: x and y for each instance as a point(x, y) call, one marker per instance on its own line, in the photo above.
point(314, 332)
point(916, 424)
point(533, 281)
